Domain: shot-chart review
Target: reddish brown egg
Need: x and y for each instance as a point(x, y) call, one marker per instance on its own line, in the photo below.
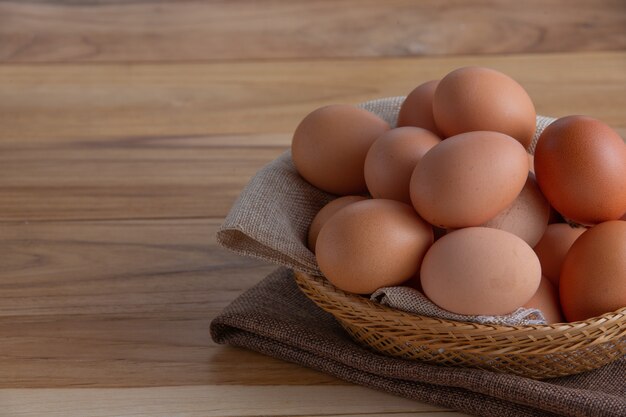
point(593, 276)
point(326, 213)
point(546, 300)
point(372, 244)
point(475, 98)
point(527, 217)
point(330, 144)
point(580, 165)
point(392, 158)
point(553, 247)
point(417, 108)
point(468, 179)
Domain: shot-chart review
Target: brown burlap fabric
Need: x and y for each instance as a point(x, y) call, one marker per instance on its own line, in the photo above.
point(276, 319)
point(270, 220)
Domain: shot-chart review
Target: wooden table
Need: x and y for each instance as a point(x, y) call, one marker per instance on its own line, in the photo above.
point(127, 129)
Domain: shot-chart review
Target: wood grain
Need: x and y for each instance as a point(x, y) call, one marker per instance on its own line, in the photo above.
point(179, 141)
point(140, 31)
point(129, 177)
point(124, 303)
point(207, 401)
point(86, 102)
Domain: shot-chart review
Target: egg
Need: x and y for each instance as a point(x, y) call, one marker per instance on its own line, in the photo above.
point(554, 217)
point(480, 271)
point(553, 247)
point(326, 213)
point(527, 217)
point(580, 165)
point(417, 108)
point(476, 98)
point(392, 158)
point(546, 300)
point(468, 179)
point(372, 244)
point(330, 144)
point(593, 276)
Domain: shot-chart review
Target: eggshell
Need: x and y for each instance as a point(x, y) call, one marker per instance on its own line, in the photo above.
point(326, 213)
point(417, 108)
point(527, 217)
point(330, 144)
point(478, 270)
point(553, 247)
point(580, 165)
point(593, 276)
point(392, 158)
point(546, 300)
point(468, 179)
point(476, 98)
point(372, 244)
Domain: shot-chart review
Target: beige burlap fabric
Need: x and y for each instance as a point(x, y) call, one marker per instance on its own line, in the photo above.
point(412, 301)
point(270, 220)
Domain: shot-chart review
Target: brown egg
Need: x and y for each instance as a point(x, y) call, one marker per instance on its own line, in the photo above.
point(476, 98)
point(527, 217)
point(580, 165)
point(468, 179)
point(553, 247)
point(546, 300)
point(372, 244)
point(417, 108)
point(478, 270)
point(326, 213)
point(330, 144)
point(593, 276)
point(392, 158)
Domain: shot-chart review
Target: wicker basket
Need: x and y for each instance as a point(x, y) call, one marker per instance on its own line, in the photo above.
point(540, 351)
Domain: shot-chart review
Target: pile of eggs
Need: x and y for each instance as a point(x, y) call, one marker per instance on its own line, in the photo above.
point(451, 203)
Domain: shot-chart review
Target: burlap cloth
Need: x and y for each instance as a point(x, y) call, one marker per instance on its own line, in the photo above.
point(270, 221)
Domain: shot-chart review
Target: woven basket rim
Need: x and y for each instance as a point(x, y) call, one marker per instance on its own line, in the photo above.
point(536, 351)
point(463, 327)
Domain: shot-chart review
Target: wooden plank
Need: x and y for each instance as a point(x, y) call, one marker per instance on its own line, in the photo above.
point(121, 267)
point(125, 303)
point(126, 101)
point(96, 31)
point(133, 350)
point(206, 401)
point(134, 177)
point(148, 141)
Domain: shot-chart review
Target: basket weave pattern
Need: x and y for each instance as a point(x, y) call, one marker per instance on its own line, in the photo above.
point(540, 351)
